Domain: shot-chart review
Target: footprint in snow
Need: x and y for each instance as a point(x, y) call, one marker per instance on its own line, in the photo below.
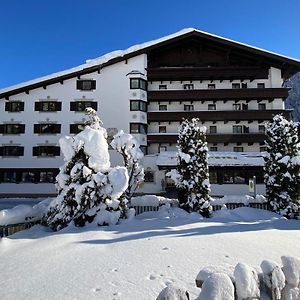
point(96, 289)
point(165, 248)
point(152, 277)
point(114, 270)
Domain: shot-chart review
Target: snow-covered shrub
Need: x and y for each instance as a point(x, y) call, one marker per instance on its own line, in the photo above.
point(87, 185)
point(246, 282)
point(273, 278)
point(218, 286)
point(192, 177)
point(132, 155)
point(282, 167)
point(172, 292)
point(291, 270)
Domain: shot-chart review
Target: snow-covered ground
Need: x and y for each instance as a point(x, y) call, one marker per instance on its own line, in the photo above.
point(136, 259)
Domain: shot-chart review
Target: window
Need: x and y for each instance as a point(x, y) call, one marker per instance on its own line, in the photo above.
point(162, 87)
point(47, 106)
point(12, 128)
point(213, 177)
point(144, 149)
point(211, 86)
point(82, 105)
point(163, 107)
point(11, 151)
point(238, 149)
point(86, 84)
point(10, 177)
point(76, 128)
point(261, 106)
point(46, 151)
point(162, 149)
point(212, 129)
point(188, 86)
point(213, 148)
point(239, 177)
point(138, 83)
point(48, 128)
point(14, 106)
point(27, 177)
point(188, 107)
point(227, 176)
point(236, 86)
point(212, 106)
point(138, 105)
point(244, 85)
point(260, 85)
point(47, 176)
point(149, 175)
point(237, 129)
point(138, 128)
point(236, 106)
point(262, 149)
point(261, 128)
point(162, 129)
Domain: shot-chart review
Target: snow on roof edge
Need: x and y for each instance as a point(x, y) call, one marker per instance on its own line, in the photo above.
point(120, 53)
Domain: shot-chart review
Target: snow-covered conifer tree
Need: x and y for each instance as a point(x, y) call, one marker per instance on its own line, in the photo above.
point(130, 150)
point(282, 166)
point(191, 176)
point(88, 188)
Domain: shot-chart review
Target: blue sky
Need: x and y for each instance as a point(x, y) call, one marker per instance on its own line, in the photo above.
point(42, 37)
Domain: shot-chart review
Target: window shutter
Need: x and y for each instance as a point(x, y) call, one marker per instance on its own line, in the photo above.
point(22, 128)
point(37, 128)
point(58, 106)
point(72, 128)
point(21, 106)
point(37, 106)
point(57, 128)
point(93, 84)
point(20, 151)
point(56, 151)
point(72, 106)
point(1, 151)
point(94, 105)
point(79, 84)
point(2, 128)
point(7, 106)
point(35, 151)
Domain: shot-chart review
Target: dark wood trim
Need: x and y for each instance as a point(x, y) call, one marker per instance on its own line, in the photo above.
point(207, 73)
point(216, 115)
point(288, 66)
point(217, 94)
point(211, 138)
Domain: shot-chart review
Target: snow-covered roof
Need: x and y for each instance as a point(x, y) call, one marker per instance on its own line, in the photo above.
point(106, 58)
point(169, 158)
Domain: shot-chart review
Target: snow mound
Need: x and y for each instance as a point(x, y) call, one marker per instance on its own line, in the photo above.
point(291, 270)
point(244, 214)
point(246, 282)
point(173, 293)
point(218, 286)
point(209, 270)
point(273, 277)
point(24, 213)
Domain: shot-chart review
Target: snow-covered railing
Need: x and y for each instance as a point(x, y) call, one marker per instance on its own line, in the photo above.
point(13, 228)
point(265, 206)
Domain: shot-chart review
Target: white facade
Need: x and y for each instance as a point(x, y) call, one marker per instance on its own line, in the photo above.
point(113, 94)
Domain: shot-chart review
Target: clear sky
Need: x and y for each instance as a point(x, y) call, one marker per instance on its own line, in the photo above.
point(39, 37)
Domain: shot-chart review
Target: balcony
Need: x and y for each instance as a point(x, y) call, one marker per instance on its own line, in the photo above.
point(217, 94)
point(215, 115)
point(206, 73)
point(211, 138)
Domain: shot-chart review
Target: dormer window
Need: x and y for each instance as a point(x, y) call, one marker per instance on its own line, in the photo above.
point(86, 84)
